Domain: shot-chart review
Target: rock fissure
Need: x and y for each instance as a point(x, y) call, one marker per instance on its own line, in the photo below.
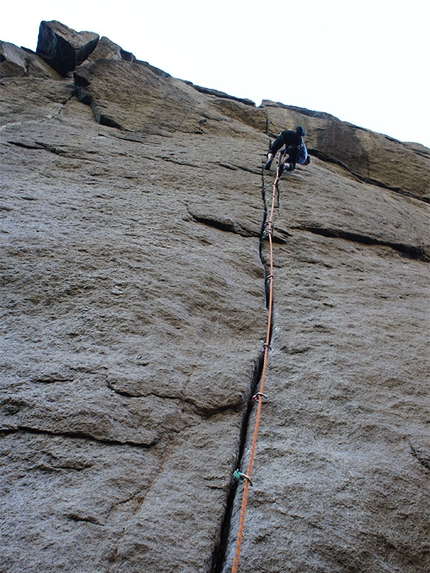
point(410, 251)
point(51, 148)
point(228, 225)
point(176, 162)
point(232, 226)
point(130, 394)
point(41, 146)
point(425, 462)
point(76, 435)
point(25, 145)
point(220, 551)
point(87, 518)
point(369, 180)
point(248, 169)
point(193, 405)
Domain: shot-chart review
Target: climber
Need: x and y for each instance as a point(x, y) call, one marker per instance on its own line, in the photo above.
point(292, 141)
point(302, 158)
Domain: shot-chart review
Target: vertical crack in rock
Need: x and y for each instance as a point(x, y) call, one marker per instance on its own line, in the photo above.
point(220, 550)
point(425, 462)
point(410, 251)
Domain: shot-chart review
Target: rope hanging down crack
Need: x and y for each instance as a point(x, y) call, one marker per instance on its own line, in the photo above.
point(259, 396)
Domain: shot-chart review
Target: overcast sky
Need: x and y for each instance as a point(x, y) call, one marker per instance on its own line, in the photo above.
point(366, 61)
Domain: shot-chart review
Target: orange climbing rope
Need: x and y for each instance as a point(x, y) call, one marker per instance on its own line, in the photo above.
point(259, 395)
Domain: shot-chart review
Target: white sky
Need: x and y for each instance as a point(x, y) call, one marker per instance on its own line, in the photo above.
point(364, 61)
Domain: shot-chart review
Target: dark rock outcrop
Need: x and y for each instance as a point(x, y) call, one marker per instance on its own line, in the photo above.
point(62, 48)
point(133, 280)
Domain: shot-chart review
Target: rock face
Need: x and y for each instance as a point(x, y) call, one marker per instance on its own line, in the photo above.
point(19, 62)
point(134, 312)
point(371, 157)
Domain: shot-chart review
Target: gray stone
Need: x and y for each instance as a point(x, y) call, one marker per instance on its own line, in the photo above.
point(12, 60)
point(17, 62)
point(108, 50)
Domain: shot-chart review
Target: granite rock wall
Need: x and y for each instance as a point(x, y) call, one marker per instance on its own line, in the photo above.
point(134, 313)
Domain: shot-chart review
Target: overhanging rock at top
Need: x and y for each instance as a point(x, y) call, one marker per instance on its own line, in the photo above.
point(62, 48)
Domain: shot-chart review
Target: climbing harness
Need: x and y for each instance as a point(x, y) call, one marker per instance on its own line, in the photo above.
point(258, 397)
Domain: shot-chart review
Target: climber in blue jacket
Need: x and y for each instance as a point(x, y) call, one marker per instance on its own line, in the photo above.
point(292, 140)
